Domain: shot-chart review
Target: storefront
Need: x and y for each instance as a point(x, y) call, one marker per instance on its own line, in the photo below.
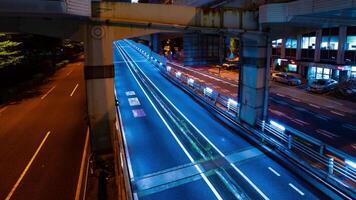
point(339, 73)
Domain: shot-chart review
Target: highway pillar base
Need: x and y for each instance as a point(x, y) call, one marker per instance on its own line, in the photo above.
point(99, 76)
point(252, 84)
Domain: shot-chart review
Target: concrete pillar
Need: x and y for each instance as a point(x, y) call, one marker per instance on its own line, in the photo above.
point(298, 55)
point(99, 76)
point(318, 36)
point(254, 74)
point(341, 47)
point(283, 48)
point(155, 42)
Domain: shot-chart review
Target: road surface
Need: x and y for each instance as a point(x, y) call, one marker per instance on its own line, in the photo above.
point(42, 139)
point(164, 166)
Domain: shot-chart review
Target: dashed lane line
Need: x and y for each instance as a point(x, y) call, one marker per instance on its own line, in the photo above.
point(337, 113)
point(313, 105)
point(45, 95)
point(274, 171)
point(296, 189)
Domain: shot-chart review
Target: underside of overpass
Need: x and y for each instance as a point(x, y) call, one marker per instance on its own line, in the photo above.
point(101, 23)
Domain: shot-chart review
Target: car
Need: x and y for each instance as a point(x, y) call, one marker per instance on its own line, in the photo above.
point(322, 85)
point(229, 65)
point(286, 78)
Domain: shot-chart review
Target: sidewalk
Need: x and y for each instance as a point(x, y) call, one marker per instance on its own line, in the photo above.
point(327, 102)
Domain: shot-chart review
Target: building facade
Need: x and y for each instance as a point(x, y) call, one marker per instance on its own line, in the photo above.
point(323, 54)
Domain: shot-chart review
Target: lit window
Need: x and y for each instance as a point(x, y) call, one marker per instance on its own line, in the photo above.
point(351, 43)
point(353, 72)
point(291, 43)
point(308, 42)
point(277, 43)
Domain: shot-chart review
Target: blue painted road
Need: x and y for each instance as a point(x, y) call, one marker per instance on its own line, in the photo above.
point(161, 166)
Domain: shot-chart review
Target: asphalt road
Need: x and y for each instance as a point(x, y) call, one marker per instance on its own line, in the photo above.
point(42, 139)
point(332, 127)
point(161, 162)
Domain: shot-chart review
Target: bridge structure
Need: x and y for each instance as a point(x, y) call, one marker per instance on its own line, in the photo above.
point(101, 23)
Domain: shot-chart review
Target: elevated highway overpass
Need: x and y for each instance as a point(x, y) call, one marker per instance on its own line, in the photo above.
point(98, 24)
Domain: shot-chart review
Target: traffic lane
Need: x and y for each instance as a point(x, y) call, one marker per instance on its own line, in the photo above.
point(329, 112)
point(306, 124)
point(207, 124)
point(25, 134)
point(181, 192)
point(313, 118)
point(54, 173)
point(230, 90)
point(227, 139)
point(150, 146)
point(322, 129)
point(275, 178)
point(143, 133)
point(20, 120)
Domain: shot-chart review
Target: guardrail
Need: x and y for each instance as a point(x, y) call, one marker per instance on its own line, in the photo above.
point(122, 169)
point(329, 164)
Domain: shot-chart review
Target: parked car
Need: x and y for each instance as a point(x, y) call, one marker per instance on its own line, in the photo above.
point(286, 78)
point(229, 65)
point(321, 85)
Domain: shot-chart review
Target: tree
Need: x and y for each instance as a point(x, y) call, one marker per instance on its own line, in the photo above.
point(10, 53)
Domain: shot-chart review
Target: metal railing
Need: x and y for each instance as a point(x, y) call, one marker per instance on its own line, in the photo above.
point(330, 164)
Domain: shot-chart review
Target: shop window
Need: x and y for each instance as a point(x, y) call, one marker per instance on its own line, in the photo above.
point(308, 42)
point(326, 73)
point(351, 42)
point(291, 43)
point(353, 72)
point(329, 42)
point(277, 43)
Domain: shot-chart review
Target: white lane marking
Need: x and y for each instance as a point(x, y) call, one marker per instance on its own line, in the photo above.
point(8, 197)
point(203, 74)
point(82, 165)
point(349, 126)
point(276, 112)
point(296, 189)
point(281, 95)
point(44, 96)
point(134, 101)
point(313, 105)
point(297, 122)
point(326, 133)
point(233, 165)
point(301, 121)
point(69, 72)
point(337, 113)
point(3, 109)
point(354, 146)
point(322, 117)
point(213, 189)
point(130, 93)
point(274, 171)
point(75, 88)
point(294, 99)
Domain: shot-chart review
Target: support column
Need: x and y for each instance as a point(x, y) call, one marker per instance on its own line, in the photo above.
point(283, 48)
point(254, 74)
point(298, 55)
point(318, 36)
point(99, 76)
point(341, 46)
point(155, 42)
